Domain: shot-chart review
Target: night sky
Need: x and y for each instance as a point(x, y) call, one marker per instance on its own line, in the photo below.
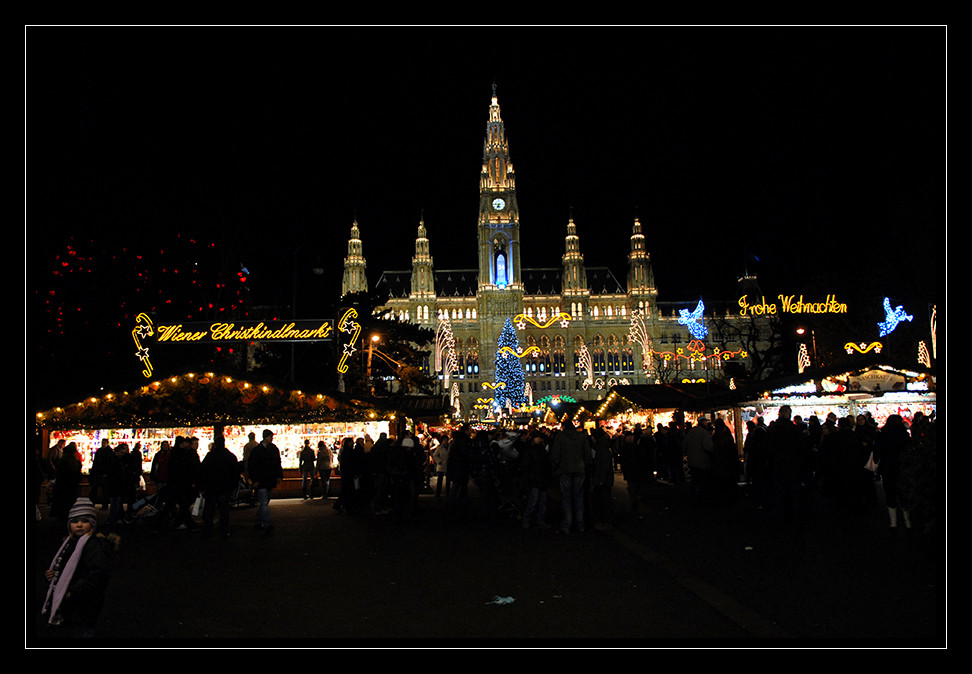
point(814, 157)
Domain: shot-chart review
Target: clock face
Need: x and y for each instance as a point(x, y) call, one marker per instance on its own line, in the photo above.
point(498, 204)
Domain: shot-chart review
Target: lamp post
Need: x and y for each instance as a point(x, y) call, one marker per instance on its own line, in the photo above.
point(371, 346)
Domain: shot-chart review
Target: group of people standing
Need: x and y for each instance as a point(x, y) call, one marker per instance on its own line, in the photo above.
point(791, 460)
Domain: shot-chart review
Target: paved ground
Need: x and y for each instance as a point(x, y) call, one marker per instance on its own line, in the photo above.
point(684, 576)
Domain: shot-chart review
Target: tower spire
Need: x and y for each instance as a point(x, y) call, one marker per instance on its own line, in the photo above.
point(355, 280)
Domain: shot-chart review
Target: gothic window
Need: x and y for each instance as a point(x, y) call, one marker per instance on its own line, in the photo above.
point(598, 361)
point(613, 362)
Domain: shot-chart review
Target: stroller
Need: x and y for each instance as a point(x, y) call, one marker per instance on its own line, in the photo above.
point(243, 495)
point(148, 506)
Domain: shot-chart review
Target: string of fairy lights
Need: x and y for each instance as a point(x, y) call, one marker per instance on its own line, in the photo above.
point(204, 399)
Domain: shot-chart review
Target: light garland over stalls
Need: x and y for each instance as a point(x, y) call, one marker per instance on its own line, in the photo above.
point(696, 353)
point(201, 399)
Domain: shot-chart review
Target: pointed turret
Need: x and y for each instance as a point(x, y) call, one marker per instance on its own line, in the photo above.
point(355, 280)
point(422, 278)
point(641, 277)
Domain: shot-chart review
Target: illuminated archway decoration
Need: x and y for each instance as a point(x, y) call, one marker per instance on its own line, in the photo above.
point(446, 360)
point(522, 319)
point(892, 318)
point(351, 327)
point(851, 347)
point(143, 328)
point(494, 385)
point(638, 334)
point(693, 321)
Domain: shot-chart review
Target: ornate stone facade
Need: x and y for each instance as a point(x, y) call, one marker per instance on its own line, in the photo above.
point(580, 329)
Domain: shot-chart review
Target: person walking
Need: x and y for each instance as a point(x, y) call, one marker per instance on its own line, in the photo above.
point(266, 471)
point(570, 458)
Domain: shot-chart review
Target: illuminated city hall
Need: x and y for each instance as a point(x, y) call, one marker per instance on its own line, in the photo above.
point(579, 328)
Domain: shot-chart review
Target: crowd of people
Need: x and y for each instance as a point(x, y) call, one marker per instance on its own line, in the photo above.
point(559, 478)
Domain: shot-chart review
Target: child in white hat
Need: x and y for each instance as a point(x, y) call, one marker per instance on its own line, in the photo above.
point(79, 573)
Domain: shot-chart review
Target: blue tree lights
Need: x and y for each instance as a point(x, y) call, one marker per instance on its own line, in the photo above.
point(509, 370)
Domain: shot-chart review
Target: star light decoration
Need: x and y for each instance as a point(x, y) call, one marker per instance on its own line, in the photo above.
point(692, 321)
point(522, 319)
point(892, 318)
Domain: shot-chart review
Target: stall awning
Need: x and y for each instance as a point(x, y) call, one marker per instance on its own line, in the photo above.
point(688, 397)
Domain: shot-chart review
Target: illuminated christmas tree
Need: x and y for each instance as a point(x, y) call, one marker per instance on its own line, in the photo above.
point(509, 370)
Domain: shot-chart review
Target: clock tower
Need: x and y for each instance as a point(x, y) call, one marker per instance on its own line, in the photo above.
point(499, 218)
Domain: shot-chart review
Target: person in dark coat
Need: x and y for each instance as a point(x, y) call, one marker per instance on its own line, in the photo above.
point(219, 475)
point(537, 479)
point(889, 446)
point(458, 473)
point(634, 468)
point(725, 461)
point(79, 574)
point(757, 465)
point(788, 449)
point(183, 481)
point(67, 484)
point(348, 468)
point(98, 474)
point(571, 457)
point(602, 481)
point(266, 471)
point(115, 484)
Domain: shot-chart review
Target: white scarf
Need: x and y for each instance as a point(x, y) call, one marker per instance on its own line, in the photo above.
point(59, 585)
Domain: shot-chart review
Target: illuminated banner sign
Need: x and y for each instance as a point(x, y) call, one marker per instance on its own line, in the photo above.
point(245, 331)
point(877, 380)
point(790, 304)
point(145, 333)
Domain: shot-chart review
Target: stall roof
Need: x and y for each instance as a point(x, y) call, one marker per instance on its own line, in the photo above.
point(671, 396)
point(698, 397)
